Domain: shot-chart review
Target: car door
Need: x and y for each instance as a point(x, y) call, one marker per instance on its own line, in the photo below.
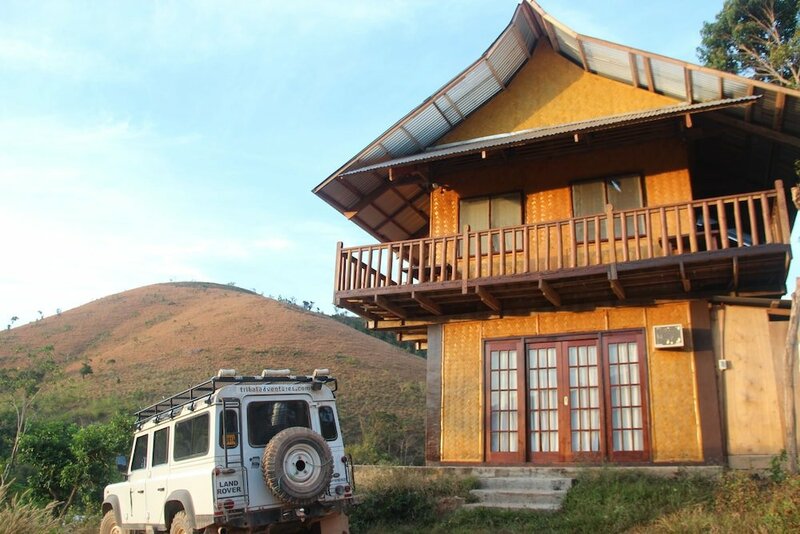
point(137, 480)
point(156, 489)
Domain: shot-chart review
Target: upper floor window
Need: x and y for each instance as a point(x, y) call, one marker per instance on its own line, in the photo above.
point(496, 211)
point(623, 192)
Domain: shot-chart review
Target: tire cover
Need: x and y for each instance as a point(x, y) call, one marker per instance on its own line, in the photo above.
point(297, 466)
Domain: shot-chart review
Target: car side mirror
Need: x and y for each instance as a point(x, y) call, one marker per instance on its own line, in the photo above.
point(122, 464)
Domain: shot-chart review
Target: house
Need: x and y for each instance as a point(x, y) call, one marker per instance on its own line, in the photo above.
point(591, 241)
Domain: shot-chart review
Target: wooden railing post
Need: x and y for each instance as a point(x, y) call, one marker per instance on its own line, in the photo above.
point(783, 212)
point(465, 258)
point(612, 244)
point(337, 273)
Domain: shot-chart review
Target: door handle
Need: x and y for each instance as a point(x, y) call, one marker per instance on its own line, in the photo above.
point(140, 491)
point(159, 489)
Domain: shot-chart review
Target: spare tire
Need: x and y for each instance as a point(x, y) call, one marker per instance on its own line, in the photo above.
point(297, 465)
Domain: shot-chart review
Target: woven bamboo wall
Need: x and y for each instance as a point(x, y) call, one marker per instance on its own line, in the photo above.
point(551, 90)
point(546, 187)
point(674, 419)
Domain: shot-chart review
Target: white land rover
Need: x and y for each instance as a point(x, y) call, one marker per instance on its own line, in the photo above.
point(237, 454)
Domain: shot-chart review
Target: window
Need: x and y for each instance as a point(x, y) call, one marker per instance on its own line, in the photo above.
point(191, 437)
point(265, 419)
point(139, 458)
point(229, 430)
point(590, 198)
point(496, 211)
point(160, 444)
point(327, 423)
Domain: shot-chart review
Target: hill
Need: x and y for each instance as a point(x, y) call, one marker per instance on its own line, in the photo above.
point(156, 340)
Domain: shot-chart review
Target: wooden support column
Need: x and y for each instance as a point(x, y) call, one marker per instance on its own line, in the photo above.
point(789, 370)
point(433, 396)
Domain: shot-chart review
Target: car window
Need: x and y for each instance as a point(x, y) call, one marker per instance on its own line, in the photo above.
point(327, 423)
point(139, 457)
point(191, 438)
point(160, 444)
point(265, 419)
point(229, 430)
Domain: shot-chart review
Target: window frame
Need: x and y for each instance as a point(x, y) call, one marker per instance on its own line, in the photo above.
point(326, 424)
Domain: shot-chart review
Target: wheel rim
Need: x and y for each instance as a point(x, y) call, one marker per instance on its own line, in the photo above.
point(301, 464)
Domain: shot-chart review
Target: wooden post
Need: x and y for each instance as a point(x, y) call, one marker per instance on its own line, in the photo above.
point(790, 356)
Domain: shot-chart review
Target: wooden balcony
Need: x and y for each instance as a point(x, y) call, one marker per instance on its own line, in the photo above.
point(734, 245)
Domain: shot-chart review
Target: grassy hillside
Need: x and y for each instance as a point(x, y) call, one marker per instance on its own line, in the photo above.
point(156, 340)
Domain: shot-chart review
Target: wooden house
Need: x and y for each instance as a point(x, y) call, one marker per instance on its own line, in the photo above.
point(591, 241)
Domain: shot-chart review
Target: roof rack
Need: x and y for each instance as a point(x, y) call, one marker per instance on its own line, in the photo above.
point(170, 406)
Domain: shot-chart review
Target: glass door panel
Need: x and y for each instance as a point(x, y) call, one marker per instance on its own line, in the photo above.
point(543, 402)
point(584, 399)
point(504, 409)
point(626, 388)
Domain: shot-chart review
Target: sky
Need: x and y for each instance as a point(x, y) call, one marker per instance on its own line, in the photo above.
point(145, 142)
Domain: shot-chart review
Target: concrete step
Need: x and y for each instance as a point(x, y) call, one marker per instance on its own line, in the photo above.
point(526, 483)
point(518, 496)
point(533, 506)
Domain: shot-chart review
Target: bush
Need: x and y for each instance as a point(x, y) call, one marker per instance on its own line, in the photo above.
point(399, 497)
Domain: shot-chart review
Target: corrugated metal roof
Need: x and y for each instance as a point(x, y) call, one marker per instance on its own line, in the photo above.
point(527, 136)
point(349, 189)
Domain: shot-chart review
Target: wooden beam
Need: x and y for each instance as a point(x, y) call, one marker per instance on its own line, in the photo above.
point(749, 127)
point(549, 293)
point(748, 112)
point(402, 337)
point(780, 105)
point(583, 55)
point(426, 303)
point(488, 299)
point(735, 268)
point(648, 72)
point(687, 81)
point(687, 284)
point(390, 307)
point(616, 285)
point(494, 74)
point(634, 69)
point(357, 310)
point(442, 113)
point(521, 40)
point(551, 35)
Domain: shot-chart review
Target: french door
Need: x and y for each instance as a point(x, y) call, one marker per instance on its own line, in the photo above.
point(577, 399)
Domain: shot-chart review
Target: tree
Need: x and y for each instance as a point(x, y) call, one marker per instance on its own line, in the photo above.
point(756, 38)
point(86, 369)
point(71, 464)
point(20, 387)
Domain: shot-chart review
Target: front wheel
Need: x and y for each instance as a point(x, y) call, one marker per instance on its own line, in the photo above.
point(109, 524)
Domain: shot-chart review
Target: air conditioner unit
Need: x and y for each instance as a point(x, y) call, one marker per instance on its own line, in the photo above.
point(668, 336)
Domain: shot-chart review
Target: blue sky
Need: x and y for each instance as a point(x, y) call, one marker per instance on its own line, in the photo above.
point(143, 142)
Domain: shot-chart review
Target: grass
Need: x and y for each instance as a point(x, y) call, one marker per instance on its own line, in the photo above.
point(603, 500)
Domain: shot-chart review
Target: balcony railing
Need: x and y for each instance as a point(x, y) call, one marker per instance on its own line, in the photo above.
point(730, 222)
